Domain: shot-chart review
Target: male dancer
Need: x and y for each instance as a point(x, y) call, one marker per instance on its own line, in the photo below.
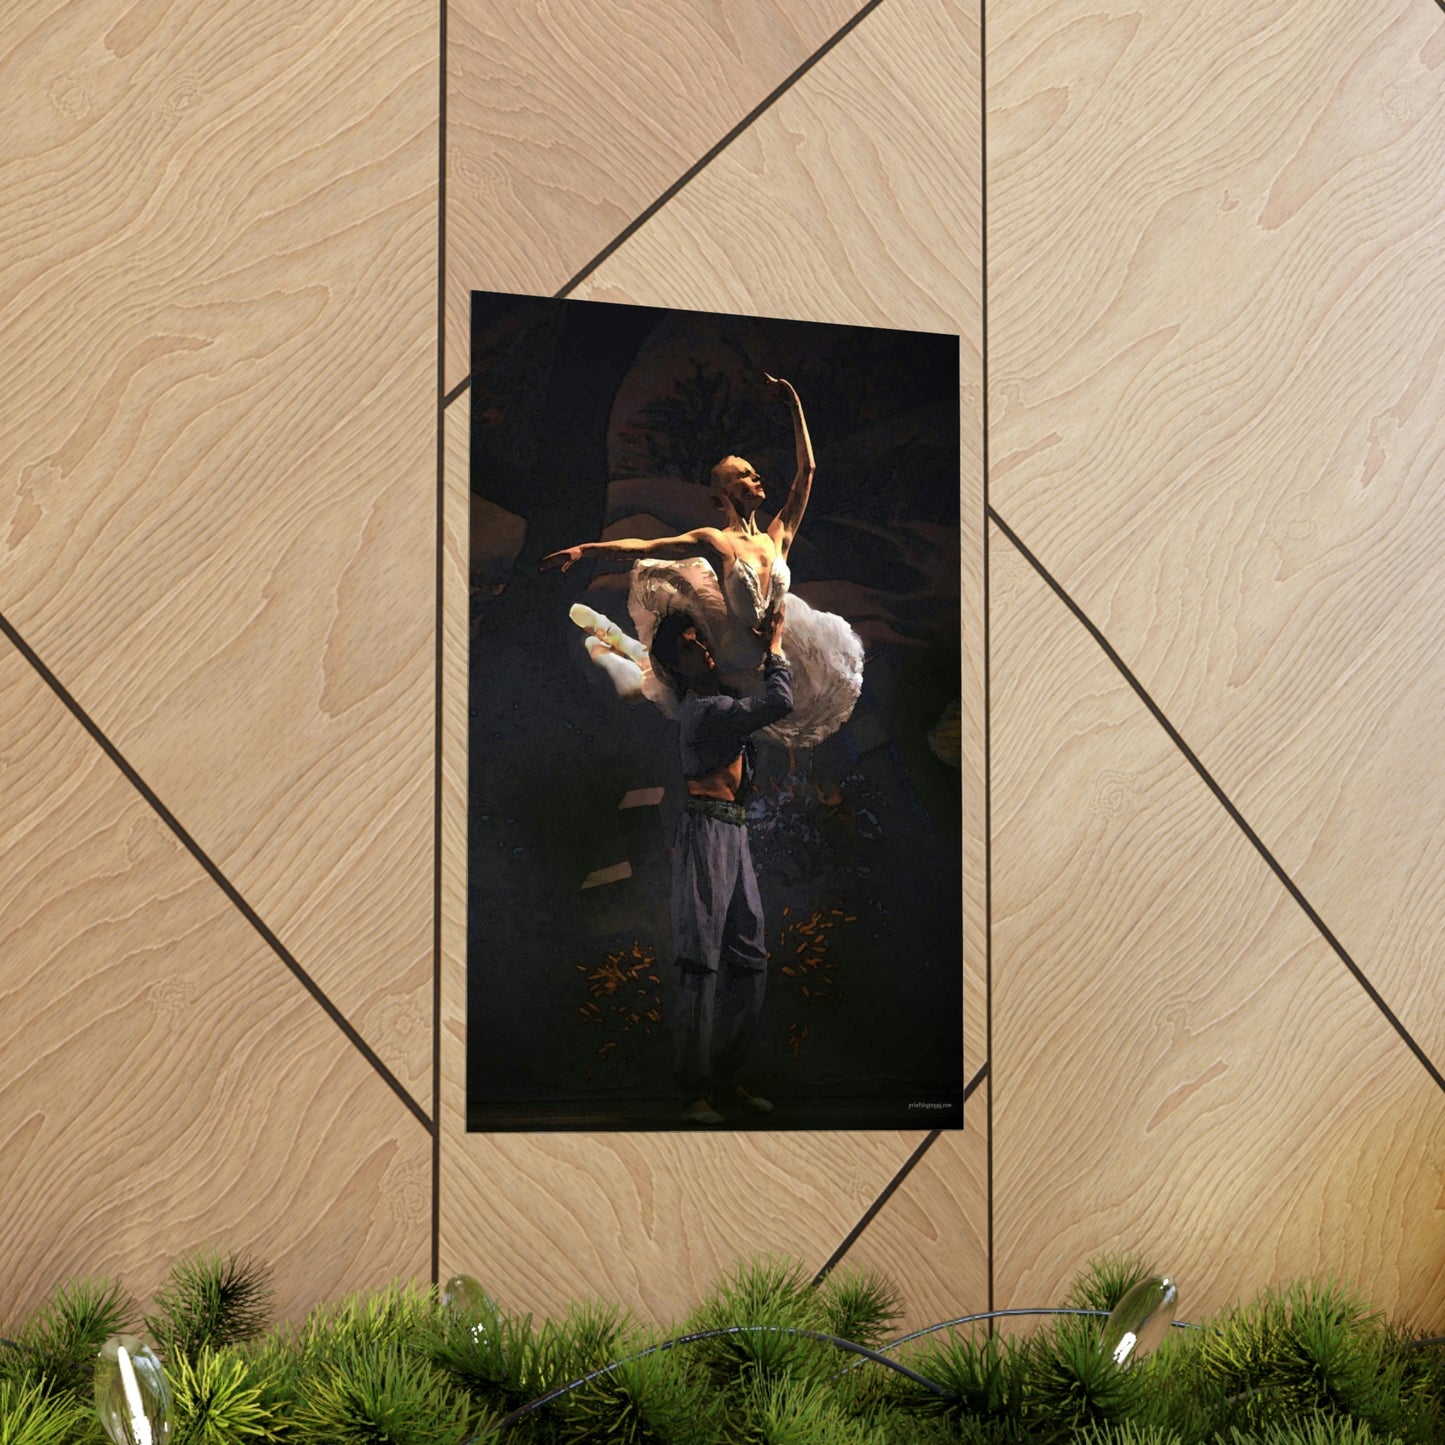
point(717, 916)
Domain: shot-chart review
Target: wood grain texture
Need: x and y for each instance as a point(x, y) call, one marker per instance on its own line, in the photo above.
point(650, 1220)
point(165, 1083)
point(566, 120)
point(1219, 410)
point(855, 198)
point(931, 1237)
point(1180, 1065)
point(218, 261)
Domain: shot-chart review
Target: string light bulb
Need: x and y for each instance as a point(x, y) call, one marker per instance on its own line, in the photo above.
point(469, 1307)
point(1140, 1320)
point(131, 1394)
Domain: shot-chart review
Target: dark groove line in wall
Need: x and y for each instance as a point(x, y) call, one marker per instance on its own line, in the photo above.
point(873, 1209)
point(626, 234)
point(217, 877)
point(1255, 840)
point(871, 1212)
point(987, 631)
point(436, 997)
point(641, 220)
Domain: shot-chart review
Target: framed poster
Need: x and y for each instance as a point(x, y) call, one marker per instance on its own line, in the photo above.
point(714, 841)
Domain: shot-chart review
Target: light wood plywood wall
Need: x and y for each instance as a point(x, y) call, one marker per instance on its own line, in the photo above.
point(1217, 414)
point(1204, 417)
point(218, 261)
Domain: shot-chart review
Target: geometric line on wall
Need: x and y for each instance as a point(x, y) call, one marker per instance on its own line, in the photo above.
point(973, 1083)
point(438, 703)
point(692, 171)
point(642, 218)
point(457, 390)
point(987, 641)
point(871, 1213)
point(438, 710)
point(1290, 886)
point(217, 877)
point(447, 398)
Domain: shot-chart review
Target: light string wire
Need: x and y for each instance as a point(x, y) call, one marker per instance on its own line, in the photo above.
point(852, 1347)
point(1005, 1314)
point(877, 1356)
point(836, 1341)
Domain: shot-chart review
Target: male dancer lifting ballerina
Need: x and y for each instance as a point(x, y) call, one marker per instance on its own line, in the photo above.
point(717, 915)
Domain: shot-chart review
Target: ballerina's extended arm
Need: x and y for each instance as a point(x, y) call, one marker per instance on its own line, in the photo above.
point(700, 542)
point(790, 516)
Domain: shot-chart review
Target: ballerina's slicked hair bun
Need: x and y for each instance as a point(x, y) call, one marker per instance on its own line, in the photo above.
point(715, 482)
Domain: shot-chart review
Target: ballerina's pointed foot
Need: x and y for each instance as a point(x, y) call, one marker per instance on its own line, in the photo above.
point(608, 632)
point(626, 676)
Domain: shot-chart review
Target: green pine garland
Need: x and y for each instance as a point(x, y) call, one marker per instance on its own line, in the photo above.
point(219, 1397)
point(30, 1414)
point(1311, 1364)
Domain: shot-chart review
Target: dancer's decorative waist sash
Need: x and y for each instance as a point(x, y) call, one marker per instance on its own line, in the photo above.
point(720, 809)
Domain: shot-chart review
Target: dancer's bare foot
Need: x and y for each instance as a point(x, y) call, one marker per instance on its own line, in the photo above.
point(752, 1103)
point(702, 1112)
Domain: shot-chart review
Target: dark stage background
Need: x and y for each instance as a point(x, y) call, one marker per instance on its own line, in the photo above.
point(592, 420)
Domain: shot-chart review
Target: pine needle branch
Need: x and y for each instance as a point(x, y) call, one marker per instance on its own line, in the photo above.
point(211, 1300)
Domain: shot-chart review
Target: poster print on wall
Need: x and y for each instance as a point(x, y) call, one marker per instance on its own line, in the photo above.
point(641, 502)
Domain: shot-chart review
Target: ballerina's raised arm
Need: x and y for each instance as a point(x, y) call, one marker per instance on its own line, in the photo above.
point(785, 525)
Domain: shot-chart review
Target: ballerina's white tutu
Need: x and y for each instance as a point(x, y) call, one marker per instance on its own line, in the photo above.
point(825, 655)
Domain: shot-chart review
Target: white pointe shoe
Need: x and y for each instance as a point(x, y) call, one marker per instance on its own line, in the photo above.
point(608, 632)
point(626, 675)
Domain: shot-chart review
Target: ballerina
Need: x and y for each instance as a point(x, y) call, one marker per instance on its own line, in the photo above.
point(730, 579)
